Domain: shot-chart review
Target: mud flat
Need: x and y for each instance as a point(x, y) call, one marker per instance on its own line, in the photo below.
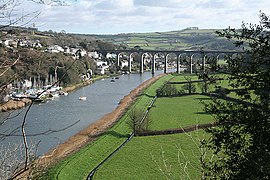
point(13, 105)
point(88, 134)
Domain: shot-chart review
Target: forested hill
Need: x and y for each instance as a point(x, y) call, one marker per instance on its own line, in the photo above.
point(172, 40)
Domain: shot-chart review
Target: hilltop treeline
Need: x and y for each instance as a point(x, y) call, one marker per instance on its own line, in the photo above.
point(187, 39)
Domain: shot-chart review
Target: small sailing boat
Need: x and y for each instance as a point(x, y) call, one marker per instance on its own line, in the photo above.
point(83, 98)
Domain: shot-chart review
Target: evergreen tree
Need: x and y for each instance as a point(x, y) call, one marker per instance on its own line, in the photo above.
point(241, 139)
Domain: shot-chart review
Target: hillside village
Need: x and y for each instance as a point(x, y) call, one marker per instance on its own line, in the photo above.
point(33, 83)
point(47, 54)
point(29, 84)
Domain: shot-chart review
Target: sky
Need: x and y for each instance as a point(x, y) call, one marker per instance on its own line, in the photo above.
point(130, 16)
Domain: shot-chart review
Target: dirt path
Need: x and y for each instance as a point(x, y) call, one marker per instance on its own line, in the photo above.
point(85, 136)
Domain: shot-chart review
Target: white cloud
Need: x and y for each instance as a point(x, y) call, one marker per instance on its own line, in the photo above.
point(116, 16)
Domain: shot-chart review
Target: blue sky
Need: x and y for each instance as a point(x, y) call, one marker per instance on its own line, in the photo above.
point(127, 16)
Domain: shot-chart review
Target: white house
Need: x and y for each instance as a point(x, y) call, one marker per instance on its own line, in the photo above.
point(101, 63)
point(93, 54)
point(124, 63)
point(55, 49)
point(37, 44)
point(83, 52)
point(102, 66)
point(10, 43)
point(109, 55)
point(27, 84)
point(102, 69)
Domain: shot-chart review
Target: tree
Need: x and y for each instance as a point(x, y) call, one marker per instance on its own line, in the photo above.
point(241, 140)
point(138, 121)
point(190, 87)
point(10, 18)
point(9, 12)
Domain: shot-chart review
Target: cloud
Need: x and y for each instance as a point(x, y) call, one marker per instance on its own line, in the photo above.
point(163, 4)
point(117, 16)
point(114, 4)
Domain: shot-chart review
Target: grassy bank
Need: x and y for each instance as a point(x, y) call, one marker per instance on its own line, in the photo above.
point(166, 156)
point(155, 157)
point(78, 165)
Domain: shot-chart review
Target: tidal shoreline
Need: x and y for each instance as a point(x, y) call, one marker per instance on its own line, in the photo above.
point(87, 135)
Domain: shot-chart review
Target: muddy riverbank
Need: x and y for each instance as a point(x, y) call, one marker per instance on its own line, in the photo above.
point(18, 104)
point(88, 134)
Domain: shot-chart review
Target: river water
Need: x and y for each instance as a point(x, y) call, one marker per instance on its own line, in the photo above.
point(103, 97)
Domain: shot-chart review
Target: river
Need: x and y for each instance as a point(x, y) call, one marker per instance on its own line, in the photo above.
point(103, 97)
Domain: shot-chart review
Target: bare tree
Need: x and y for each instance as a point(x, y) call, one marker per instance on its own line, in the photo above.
point(190, 87)
point(11, 161)
point(12, 15)
point(138, 121)
point(185, 165)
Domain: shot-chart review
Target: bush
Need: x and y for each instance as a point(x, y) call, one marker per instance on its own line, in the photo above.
point(167, 90)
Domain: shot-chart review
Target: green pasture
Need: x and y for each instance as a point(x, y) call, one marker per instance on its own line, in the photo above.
point(176, 40)
point(156, 157)
point(155, 40)
point(78, 165)
point(153, 157)
point(199, 85)
point(181, 77)
point(178, 112)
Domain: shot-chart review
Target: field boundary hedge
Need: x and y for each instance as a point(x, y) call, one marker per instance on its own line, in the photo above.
point(177, 130)
point(91, 174)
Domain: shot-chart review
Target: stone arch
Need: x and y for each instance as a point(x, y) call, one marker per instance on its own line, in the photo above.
point(196, 62)
point(160, 59)
point(184, 61)
point(222, 59)
point(144, 58)
point(133, 57)
point(124, 56)
point(173, 60)
point(208, 59)
point(172, 57)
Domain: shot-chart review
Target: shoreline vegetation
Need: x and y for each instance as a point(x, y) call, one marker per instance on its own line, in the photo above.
point(89, 134)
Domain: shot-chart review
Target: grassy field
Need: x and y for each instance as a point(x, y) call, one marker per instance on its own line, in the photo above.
point(151, 157)
point(176, 40)
point(163, 157)
point(78, 165)
point(179, 112)
point(199, 85)
point(155, 157)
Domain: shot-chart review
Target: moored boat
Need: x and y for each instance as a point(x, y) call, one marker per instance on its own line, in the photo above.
point(83, 98)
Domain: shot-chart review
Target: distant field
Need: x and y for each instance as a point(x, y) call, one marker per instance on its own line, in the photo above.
point(176, 40)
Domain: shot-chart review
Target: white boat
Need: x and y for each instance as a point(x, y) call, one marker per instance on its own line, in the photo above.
point(83, 98)
point(55, 95)
point(62, 93)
